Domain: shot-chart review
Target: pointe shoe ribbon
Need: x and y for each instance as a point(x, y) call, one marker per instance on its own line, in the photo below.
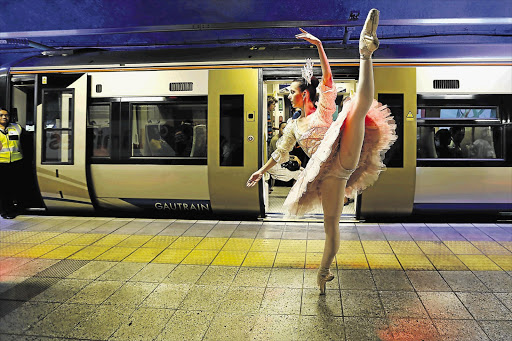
point(368, 41)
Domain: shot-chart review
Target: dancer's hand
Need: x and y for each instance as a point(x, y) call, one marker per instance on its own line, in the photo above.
point(255, 177)
point(308, 37)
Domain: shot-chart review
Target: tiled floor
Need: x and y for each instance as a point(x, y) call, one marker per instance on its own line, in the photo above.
point(140, 279)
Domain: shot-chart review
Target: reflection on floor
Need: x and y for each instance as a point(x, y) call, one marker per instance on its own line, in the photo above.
point(278, 196)
point(144, 279)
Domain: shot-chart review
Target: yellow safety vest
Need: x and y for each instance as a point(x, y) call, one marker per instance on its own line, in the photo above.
point(10, 146)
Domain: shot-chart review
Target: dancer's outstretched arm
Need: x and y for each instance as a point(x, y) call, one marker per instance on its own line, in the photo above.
point(285, 144)
point(256, 176)
point(326, 68)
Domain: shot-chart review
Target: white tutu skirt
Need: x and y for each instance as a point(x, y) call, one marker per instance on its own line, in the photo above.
point(379, 135)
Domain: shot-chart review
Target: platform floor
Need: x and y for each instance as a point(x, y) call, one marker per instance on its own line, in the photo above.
point(140, 279)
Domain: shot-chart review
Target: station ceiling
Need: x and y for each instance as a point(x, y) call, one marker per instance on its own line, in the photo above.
point(30, 27)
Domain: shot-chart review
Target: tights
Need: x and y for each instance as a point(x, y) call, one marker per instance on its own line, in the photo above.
point(333, 187)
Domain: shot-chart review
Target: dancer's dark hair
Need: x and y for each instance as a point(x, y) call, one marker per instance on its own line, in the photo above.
point(310, 87)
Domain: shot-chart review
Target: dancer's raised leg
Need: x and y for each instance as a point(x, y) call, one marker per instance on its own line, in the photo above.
point(353, 134)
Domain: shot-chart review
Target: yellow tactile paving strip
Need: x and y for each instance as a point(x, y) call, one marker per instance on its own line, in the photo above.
point(353, 254)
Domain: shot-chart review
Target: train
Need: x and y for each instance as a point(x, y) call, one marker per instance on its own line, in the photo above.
point(177, 132)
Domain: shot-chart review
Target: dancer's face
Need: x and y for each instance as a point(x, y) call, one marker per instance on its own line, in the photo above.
point(296, 96)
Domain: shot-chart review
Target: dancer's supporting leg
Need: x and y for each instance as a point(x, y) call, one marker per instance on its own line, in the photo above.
point(333, 188)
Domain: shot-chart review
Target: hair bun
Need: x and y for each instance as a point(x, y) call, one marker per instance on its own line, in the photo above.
point(314, 81)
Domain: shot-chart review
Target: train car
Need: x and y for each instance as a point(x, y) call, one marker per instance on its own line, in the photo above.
point(178, 132)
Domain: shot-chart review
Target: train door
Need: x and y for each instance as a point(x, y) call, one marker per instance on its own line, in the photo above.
point(234, 146)
point(393, 193)
point(22, 92)
point(60, 142)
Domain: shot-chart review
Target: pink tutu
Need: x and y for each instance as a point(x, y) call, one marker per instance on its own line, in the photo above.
point(379, 135)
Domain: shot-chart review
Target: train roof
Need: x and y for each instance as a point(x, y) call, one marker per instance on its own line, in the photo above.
point(266, 56)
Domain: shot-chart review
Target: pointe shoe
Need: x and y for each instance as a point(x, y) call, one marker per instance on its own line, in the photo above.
point(324, 275)
point(368, 41)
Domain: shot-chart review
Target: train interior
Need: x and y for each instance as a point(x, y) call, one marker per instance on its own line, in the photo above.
point(279, 182)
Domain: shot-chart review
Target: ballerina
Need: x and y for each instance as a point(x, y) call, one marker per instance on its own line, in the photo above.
point(346, 154)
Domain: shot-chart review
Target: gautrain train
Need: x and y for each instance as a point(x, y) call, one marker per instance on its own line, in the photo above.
point(172, 132)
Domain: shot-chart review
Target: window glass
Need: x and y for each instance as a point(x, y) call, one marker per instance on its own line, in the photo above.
point(231, 130)
point(58, 146)
point(170, 129)
point(459, 142)
point(58, 107)
point(394, 157)
point(457, 113)
point(99, 122)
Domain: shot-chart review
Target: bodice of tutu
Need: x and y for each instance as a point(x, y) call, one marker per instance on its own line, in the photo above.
point(310, 140)
point(319, 123)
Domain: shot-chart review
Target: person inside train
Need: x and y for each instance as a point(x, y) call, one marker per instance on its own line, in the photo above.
point(168, 134)
point(286, 171)
point(272, 147)
point(183, 138)
point(345, 154)
point(271, 107)
point(482, 147)
point(442, 140)
point(457, 151)
point(275, 171)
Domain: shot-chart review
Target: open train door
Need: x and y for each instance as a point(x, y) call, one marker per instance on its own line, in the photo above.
point(234, 145)
point(393, 193)
point(60, 142)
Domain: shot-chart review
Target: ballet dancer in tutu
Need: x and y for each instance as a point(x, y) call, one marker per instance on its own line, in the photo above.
point(346, 154)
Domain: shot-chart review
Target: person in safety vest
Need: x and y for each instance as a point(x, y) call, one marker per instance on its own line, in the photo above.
point(10, 166)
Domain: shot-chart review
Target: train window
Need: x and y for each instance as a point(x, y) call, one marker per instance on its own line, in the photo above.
point(457, 113)
point(460, 142)
point(463, 130)
point(99, 121)
point(174, 129)
point(231, 143)
point(394, 157)
point(58, 108)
